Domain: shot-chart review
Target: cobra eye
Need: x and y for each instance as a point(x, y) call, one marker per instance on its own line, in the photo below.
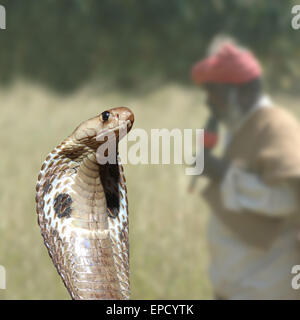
point(105, 115)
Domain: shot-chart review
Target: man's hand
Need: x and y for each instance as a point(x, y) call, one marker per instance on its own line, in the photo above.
point(214, 168)
point(210, 141)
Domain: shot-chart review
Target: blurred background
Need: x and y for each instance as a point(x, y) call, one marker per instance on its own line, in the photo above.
point(62, 62)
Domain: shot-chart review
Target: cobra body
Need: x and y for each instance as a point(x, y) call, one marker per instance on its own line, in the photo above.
point(83, 211)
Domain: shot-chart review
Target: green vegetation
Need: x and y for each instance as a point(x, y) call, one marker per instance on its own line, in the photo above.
point(63, 43)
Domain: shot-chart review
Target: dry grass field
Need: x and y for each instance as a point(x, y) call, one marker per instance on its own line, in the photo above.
point(168, 252)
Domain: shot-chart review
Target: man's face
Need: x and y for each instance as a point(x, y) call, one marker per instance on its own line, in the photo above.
point(217, 99)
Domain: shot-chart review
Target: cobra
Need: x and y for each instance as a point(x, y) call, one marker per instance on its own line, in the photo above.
point(82, 210)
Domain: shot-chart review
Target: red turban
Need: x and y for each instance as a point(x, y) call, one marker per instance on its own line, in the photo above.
point(229, 65)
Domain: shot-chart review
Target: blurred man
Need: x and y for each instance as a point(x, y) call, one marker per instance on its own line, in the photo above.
point(254, 187)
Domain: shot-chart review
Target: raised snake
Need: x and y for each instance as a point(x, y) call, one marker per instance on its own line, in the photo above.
point(83, 210)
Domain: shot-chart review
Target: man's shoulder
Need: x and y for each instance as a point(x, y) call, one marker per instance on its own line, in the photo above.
point(275, 117)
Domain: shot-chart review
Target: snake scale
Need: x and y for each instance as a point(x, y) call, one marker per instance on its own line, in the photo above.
point(83, 210)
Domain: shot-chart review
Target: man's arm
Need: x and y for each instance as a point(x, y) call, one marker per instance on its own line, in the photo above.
point(242, 190)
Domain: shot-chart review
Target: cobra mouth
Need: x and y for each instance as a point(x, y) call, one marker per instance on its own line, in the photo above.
point(117, 132)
